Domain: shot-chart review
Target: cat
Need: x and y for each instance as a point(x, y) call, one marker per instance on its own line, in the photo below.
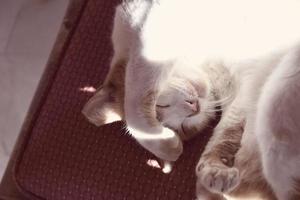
point(155, 39)
point(277, 127)
point(231, 53)
point(172, 110)
point(229, 151)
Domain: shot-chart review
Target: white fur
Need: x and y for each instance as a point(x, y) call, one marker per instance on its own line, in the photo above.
point(129, 18)
point(154, 36)
point(231, 29)
point(278, 125)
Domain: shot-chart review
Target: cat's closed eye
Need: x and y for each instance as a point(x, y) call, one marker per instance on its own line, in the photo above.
point(163, 106)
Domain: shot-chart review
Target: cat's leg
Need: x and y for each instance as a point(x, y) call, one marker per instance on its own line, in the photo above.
point(106, 105)
point(142, 86)
point(144, 80)
point(278, 128)
point(215, 170)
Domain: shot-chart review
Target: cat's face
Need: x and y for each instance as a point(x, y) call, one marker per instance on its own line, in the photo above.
point(183, 105)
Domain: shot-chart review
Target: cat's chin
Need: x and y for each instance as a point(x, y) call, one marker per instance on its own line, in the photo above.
point(187, 133)
point(192, 126)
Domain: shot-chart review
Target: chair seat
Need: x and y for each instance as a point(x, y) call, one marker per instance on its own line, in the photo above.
point(59, 155)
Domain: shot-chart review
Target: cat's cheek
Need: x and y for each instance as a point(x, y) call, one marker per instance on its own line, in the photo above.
point(159, 115)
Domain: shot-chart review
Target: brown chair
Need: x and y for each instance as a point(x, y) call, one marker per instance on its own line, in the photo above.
point(59, 155)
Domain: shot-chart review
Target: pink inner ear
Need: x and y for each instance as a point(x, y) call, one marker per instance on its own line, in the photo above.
point(101, 116)
point(111, 116)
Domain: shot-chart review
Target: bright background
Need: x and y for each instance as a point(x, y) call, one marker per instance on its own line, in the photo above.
point(28, 29)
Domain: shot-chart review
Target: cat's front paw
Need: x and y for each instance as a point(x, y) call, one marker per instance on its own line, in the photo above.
point(217, 177)
point(167, 145)
point(169, 148)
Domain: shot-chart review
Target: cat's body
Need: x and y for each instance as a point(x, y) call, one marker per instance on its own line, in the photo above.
point(226, 52)
point(278, 128)
point(161, 34)
point(231, 162)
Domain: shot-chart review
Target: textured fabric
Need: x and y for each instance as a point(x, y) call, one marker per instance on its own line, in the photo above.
point(65, 157)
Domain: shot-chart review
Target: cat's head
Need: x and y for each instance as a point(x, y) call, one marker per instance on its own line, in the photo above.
point(182, 105)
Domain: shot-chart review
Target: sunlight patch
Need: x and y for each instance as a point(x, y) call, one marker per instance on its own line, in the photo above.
point(166, 134)
point(111, 117)
point(166, 169)
point(89, 89)
point(153, 163)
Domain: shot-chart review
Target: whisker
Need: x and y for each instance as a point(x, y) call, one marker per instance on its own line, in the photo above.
point(214, 108)
point(223, 101)
point(209, 126)
point(212, 111)
point(216, 114)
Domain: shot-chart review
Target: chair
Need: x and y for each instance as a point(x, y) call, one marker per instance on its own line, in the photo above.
point(60, 155)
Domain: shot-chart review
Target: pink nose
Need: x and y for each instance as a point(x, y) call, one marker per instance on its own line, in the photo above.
point(193, 105)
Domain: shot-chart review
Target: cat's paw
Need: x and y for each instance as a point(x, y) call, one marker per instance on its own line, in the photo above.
point(217, 178)
point(168, 146)
point(203, 194)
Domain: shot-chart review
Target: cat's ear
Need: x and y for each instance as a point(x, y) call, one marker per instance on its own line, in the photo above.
point(104, 107)
point(107, 105)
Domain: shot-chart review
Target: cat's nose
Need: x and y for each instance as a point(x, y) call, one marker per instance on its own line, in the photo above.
point(193, 105)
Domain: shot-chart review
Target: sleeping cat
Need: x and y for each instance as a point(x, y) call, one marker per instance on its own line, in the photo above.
point(156, 37)
point(278, 129)
point(218, 58)
point(231, 162)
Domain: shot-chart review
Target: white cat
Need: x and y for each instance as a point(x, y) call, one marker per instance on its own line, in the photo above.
point(154, 35)
point(214, 51)
point(278, 127)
